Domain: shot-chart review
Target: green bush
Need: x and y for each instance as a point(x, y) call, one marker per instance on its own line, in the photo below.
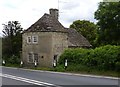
point(78, 67)
point(117, 65)
point(101, 58)
point(12, 60)
point(60, 68)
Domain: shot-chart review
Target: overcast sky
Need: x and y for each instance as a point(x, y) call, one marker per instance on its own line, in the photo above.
point(29, 11)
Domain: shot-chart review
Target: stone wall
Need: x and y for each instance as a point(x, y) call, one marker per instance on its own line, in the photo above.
point(49, 44)
point(60, 42)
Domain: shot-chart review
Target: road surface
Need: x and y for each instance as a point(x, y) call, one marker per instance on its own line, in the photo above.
point(8, 81)
point(17, 76)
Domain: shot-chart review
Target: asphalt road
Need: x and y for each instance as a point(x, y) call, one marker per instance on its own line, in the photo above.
point(51, 79)
point(8, 81)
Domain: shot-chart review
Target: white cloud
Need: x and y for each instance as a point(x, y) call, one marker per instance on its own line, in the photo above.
point(29, 11)
point(79, 10)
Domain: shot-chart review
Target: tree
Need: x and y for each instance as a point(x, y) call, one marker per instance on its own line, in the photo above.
point(12, 39)
point(87, 28)
point(108, 16)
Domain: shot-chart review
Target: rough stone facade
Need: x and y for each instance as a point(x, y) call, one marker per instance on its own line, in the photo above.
point(50, 44)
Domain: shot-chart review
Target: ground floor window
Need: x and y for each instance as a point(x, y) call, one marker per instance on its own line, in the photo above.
point(55, 59)
point(35, 57)
point(32, 57)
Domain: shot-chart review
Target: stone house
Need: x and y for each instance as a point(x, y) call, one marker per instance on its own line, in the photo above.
point(46, 39)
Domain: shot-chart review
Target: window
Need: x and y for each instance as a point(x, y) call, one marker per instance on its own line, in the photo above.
point(29, 40)
point(32, 39)
point(35, 57)
point(30, 58)
point(55, 58)
point(35, 39)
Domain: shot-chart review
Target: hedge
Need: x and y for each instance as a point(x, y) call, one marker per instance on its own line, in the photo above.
point(101, 58)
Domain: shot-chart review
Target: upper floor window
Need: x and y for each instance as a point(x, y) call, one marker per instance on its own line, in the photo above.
point(29, 39)
point(32, 39)
point(35, 39)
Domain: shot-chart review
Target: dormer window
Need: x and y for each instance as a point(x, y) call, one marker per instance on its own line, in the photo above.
point(35, 39)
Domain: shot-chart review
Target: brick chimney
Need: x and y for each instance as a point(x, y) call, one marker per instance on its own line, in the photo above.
point(54, 13)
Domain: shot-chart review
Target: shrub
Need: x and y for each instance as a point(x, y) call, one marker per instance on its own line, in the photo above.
point(102, 58)
point(14, 60)
point(117, 65)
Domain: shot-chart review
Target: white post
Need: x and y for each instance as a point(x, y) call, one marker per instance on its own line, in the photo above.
point(21, 63)
point(4, 62)
point(66, 64)
point(35, 63)
point(54, 63)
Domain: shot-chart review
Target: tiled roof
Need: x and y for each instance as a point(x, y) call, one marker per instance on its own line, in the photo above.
point(75, 39)
point(46, 23)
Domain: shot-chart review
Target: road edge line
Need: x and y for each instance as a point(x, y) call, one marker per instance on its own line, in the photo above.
point(23, 79)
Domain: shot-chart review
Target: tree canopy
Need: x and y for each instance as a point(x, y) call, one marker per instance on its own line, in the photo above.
point(108, 16)
point(12, 39)
point(86, 28)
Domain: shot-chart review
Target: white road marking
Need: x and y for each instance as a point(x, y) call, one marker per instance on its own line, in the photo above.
point(27, 80)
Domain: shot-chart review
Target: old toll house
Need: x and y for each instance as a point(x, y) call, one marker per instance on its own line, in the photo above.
point(46, 39)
